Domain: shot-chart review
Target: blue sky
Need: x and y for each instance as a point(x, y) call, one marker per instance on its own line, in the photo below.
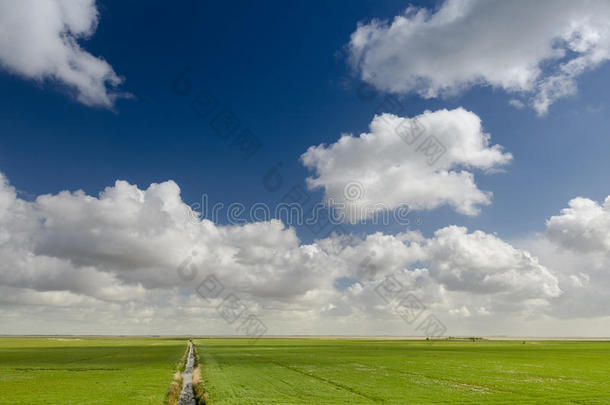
point(284, 71)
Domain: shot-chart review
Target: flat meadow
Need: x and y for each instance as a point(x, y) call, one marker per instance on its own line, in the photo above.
point(306, 371)
point(309, 371)
point(87, 370)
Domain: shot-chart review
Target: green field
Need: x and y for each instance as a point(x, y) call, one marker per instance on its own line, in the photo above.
point(306, 371)
point(290, 371)
point(87, 371)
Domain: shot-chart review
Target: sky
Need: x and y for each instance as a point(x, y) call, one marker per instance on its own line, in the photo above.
point(378, 168)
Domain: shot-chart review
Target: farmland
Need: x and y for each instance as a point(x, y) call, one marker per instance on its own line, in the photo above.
point(87, 371)
point(306, 371)
point(291, 371)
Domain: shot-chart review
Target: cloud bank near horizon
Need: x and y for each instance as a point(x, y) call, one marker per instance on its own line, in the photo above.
point(70, 256)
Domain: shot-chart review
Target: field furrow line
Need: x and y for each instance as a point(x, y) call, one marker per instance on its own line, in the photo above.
point(330, 382)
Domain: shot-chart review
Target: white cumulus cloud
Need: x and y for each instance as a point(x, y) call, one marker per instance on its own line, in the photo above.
point(39, 40)
point(423, 162)
point(534, 49)
point(584, 226)
point(482, 263)
point(75, 260)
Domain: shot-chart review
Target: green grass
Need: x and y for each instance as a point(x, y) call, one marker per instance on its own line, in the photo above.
point(87, 371)
point(306, 371)
point(300, 371)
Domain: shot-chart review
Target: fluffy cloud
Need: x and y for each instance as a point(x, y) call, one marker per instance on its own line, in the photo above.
point(133, 237)
point(76, 260)
point(39, 40)
point(533, 49)
point(583, 227)
point(454, 275)
point(476, 263)
point(422, 162)
point(576, 246)
point(483, 263)
point(583, 277)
